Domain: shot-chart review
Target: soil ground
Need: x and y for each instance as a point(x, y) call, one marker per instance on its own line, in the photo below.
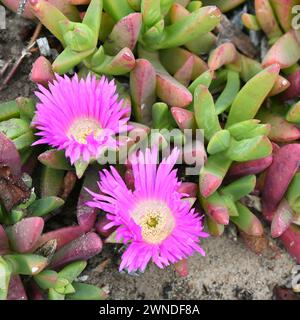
point(230, 270)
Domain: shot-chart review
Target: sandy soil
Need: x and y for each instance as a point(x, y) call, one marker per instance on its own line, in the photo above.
point(230, 270)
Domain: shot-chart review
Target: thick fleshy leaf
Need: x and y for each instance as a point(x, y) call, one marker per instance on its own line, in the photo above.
point(247, 221)
point(49, 16)
point(174, 58)
point(291, 241)
point(120, 64)
point(267, 19)
point(240, 187)
point(278, 177)
point(24, 235)
point(219, 142)
point(143, 90)
point(5, 274)
point(42, 72)
point(293, 90)
point(26, 264)
point(285, 51)
point(238, 170)
point(282, 219)
point(281, 130)
point(54, 159)
point(61, 236)
point(213, 173)
point(205, 113)
point(26, 107)
point(86, 216)
point(252, 95)
point(68, 59)
point(216, 208)
point(16, 290)
point(197, 23)
point(51, 181)
point(44, 206)
point(85, 291)
point(284, 12)
point(117, 9)
point(9, 155)
point(249, 149)
point(124, 34)
point(9, 110)
point(224, 54)
point(214, 229)
point(185, 119)
point(83, 248)
point(168, 89)
point(229, 93)
point(72, 271)
point(46, 279)
point(293, 114)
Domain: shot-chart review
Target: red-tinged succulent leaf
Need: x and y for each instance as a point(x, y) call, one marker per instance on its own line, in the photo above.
point(282, 219)
point(83, 248)
point(142, 88)
point(216, 208)
point(42, 72)
point(184, 74)
point(189, 188)
point(224, 54)
point(293, 90)
point(9, 155)
point(267, 20)
point(63, 6)
point(70, 180)
point(16, 290)
point(62, 236)
point(278, 177)
point(4, 245)
point(185, 119)
point(247, 222)
point(24, 235)
point(238, 170)
point(182, 268)
point(174, 58)
point(213, 173)
point(172, 92)
point(124, 34)
point(285, 51)
point(54, 159)
point(281, 130)
point(214, 229)
point(13, 190)
point(280, 85)
point(283, 10)
point(100, 227)
point(168, 89)
point(291, 241)
point(86, 216)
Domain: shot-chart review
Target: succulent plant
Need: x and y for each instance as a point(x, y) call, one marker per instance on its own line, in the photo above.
point(178, 66)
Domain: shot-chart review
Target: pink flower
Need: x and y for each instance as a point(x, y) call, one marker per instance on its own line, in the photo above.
point(154, 220)
point(80, 116)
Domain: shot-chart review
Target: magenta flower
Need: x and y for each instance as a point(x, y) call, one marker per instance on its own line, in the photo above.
point(80, 116)
point(153, 220)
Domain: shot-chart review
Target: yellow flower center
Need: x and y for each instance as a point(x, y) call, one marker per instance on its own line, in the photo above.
point(82, 128)
point(156, 220)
